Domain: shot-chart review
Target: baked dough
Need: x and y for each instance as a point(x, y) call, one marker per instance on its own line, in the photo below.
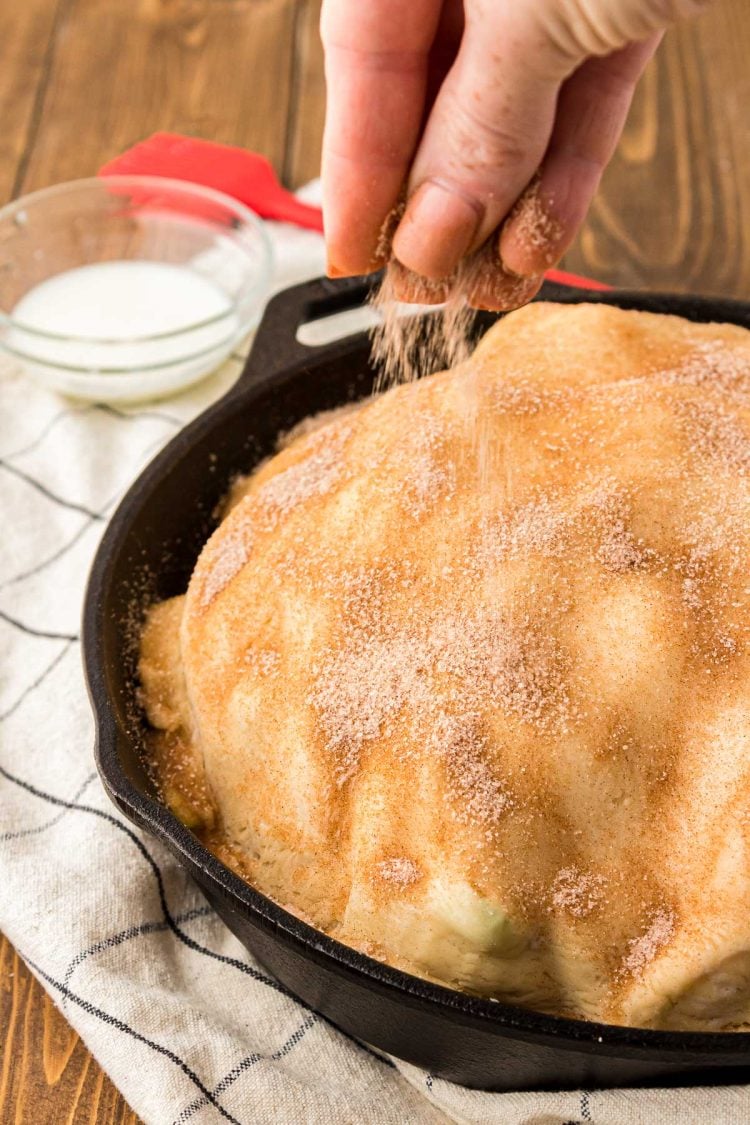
point(463, 677)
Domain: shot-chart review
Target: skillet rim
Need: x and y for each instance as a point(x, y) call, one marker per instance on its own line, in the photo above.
point(268, 363)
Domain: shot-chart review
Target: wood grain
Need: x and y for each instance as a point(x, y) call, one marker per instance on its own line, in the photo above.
point(674, 209)
point(47, 1076)
point(26, 38)
point(123, 69)
point(80, 80)
point(307, 105)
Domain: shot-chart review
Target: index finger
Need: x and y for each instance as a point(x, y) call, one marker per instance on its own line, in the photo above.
point(376, 58)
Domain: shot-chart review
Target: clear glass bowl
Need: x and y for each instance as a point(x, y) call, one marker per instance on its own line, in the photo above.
point(169, 278)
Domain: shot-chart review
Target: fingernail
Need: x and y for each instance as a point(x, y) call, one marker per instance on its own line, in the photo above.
point(495, 287)
point(437, 229)
point(334, 271)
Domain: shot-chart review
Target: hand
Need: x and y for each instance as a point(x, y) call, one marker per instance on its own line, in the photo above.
point(497, 117)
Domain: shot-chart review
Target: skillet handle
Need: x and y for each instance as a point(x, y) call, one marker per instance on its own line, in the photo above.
point(276, 347)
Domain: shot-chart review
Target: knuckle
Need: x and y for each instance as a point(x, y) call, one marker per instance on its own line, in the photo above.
point(487, 142)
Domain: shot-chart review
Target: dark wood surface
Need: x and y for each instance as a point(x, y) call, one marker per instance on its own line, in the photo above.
point(80, 80)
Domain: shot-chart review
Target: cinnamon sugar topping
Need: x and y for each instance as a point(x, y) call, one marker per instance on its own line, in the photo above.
point(576, 892)
point(314, 475)
point(399, 871)
point(533, 223)
point(228, 557)
point(642, 950)
point(383, 679)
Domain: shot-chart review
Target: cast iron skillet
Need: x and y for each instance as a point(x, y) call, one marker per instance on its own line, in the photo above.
point(148, 552)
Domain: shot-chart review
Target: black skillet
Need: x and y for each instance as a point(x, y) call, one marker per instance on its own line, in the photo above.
point(148, 552)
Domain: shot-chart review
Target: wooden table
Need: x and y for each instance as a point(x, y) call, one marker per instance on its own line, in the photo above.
point(80, 80)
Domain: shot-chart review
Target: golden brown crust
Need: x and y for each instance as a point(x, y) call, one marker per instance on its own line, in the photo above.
point(470, 670)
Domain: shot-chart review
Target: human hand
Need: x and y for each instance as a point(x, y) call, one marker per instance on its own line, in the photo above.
point(497, 116)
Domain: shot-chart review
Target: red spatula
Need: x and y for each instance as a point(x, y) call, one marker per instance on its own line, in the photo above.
point(245, 176)
point(563, 277)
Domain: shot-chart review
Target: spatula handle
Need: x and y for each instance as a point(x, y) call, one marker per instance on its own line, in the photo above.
point(562, 277)
point(286, 208)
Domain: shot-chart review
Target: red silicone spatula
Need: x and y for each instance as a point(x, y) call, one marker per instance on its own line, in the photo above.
point(563, 277)
point(243, 175)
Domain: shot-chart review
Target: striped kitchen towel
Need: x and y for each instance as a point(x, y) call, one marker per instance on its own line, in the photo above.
point(174, 1009)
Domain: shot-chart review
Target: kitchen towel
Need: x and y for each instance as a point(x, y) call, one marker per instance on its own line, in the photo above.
point(183, 1020)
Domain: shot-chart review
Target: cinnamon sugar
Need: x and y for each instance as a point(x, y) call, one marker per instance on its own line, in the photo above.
point(478, 796)
point(398, 871)
point(713, 366)
point(715, 433)
point(577, 892)
point(383, 679)
point(533, 223)
point(551, 524)
point(229, 554)
point(644, 949)
point(404, 346)
point(430, 471)
point(408, 347)
point(314, 475)
point(262, 662)
point(620, 552)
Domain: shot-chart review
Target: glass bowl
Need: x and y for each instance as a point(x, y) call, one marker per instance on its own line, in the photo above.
point(128, 287)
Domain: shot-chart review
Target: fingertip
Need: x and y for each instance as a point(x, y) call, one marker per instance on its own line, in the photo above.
point(351, 265)
point(358, 206)
point(353, 249)
point(507, 294)
point(334, 271)
point(533, 237)
point(413, 289)
point(490, 285)
point(482, 280)
point(523, 260)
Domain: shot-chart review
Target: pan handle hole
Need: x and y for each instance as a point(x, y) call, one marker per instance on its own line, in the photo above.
point(316, 333)
point(336, 326)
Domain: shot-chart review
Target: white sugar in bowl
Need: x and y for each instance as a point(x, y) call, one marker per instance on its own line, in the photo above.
point(126, 288)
